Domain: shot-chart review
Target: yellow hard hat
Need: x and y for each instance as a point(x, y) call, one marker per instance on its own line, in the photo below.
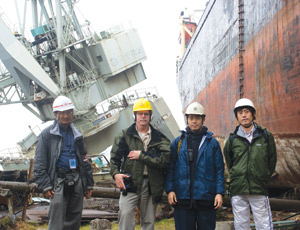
point(142, 104)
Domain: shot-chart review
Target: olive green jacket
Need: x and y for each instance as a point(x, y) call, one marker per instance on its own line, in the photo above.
point(250, 165)
point(156, 159)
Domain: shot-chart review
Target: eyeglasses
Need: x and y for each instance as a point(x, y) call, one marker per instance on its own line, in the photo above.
point(67, 112)
point(141, 114)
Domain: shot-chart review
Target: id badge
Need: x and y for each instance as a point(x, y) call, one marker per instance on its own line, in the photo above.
point(72, 163)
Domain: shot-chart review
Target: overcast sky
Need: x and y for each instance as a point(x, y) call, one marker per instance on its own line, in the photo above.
point(157, 22)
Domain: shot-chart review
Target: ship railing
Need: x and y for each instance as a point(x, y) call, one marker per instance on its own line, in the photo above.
point(69, 35)
point(148, 93)
point(126, 98)
point(8, 154)
point(44, 39)
point(23, 147)
point(89, 35)
point(24, 42)
point(30, 140)
point(103, 121)
point(74, 81)
point(108, 111)
point(114, 30)
point(4, 76)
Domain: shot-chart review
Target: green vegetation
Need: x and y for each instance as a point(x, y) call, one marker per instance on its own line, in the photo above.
point(5, 223)
point(165, 224)
point(86, 227)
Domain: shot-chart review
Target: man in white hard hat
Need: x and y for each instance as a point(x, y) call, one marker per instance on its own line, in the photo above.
point(195, 178)
point(139, 157)
point(61, 168)
point(250, 154)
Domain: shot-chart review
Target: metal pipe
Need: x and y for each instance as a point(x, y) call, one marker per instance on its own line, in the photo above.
point(18, 15)
point(284, 205)
point(106, 192)
point(25, 187)
point(44, 12)
point(34, 13)
point(276, 204)
point(59, 33)
point(114, 193)
point(283, 224)
point(52, 13)
point(75, 20)
point(182, 36)
point(18, 186)
point(27, 195)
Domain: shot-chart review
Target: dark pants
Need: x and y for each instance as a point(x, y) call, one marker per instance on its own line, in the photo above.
point(186, 219)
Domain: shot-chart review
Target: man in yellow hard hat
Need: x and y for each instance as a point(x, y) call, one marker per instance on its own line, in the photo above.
point(139, 157)
point(61, 168)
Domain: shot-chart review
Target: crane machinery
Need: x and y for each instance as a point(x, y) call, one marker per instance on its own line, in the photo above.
point(64, 57)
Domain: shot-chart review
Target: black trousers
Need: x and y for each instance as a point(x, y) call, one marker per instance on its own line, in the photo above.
point(191, 219)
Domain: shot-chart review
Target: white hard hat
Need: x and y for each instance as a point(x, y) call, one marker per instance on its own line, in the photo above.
point(243, 102)
point(195, 108)
point(62, 103)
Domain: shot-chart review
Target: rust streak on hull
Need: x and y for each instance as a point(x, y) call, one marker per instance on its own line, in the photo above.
point(272, 81)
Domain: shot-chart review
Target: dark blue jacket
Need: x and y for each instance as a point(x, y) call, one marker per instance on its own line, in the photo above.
point(47, 152)
point(209, 172)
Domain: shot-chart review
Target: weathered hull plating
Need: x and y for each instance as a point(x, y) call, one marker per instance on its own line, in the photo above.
point(209, 73)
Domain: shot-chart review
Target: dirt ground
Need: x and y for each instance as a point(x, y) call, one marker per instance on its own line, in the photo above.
point(111, 205)
point(164, 212)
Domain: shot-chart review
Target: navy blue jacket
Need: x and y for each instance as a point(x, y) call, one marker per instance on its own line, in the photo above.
point(209, 172)
point(47, 152)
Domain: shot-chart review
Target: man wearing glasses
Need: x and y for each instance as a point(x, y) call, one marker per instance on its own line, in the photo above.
point(139, 157)
point(61, 168)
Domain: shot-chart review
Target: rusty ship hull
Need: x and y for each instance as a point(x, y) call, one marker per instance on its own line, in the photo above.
point(249, 49)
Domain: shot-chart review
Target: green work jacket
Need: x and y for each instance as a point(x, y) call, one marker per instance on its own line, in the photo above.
point(156, 159)
point(250, 165)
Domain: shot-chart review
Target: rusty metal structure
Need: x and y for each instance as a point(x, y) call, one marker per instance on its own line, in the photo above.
point(32, 188)
point(249, 49)
point(114, 193)
point(241, 47)
point(11, 189)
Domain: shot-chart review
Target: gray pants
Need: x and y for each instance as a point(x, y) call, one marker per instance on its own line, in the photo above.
point(65, 210)
point(127, 206)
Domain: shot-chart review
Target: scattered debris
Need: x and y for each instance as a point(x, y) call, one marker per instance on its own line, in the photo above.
point(98, 224)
